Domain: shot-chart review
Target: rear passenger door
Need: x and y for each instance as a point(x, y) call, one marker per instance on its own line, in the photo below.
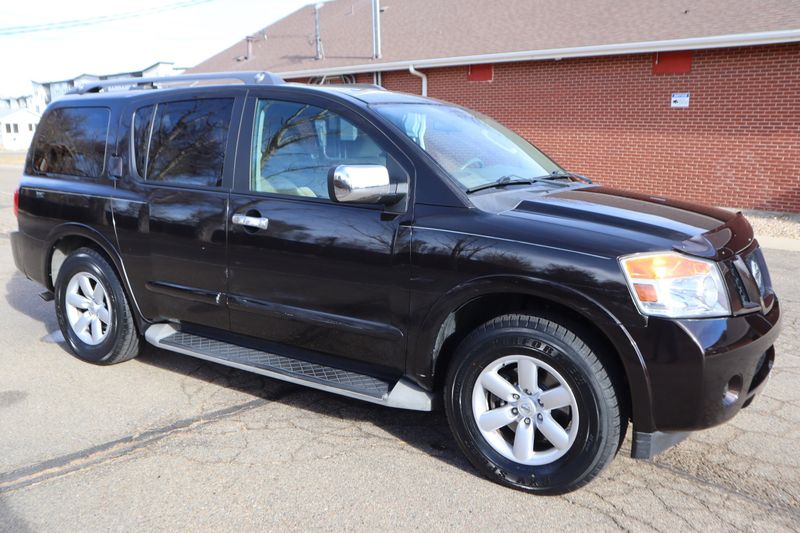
point(320, 276)
point(171, 226)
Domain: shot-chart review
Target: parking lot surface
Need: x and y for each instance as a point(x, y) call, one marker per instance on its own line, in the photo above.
point(170, 442)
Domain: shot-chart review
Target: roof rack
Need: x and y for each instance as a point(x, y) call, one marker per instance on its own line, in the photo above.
point(260, 78)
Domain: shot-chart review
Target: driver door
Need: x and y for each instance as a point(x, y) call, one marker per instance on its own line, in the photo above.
point(318, 275)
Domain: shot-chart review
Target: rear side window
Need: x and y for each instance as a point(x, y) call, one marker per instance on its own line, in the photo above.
point(72, 141)
point(182, 143)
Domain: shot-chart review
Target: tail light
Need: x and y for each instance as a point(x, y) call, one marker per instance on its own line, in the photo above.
point(16, 202)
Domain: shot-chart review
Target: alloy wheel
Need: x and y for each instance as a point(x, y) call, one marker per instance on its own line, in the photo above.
point(525, 410)
point(87, 308)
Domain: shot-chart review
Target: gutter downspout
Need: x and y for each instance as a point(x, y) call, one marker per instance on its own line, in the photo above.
point(422, 76)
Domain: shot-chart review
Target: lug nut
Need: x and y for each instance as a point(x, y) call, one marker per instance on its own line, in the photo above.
point(539, 417)
point(515, 396)
point(527, 420)
point(539, 401)
point(514, 411)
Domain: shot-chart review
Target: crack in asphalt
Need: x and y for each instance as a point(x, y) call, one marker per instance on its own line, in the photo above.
point(728, 489)
point(72, 462)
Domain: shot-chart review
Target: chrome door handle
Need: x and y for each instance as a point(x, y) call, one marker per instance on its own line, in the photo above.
point(251, 222)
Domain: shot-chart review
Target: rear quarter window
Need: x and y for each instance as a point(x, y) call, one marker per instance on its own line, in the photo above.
point(72, 141)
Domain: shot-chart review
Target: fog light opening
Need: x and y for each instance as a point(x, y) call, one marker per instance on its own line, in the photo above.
point(732, 391)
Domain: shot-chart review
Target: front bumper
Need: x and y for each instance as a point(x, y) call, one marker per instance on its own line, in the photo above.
point(702, 372)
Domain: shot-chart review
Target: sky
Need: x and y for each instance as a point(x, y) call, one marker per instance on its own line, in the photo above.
point(184, 35)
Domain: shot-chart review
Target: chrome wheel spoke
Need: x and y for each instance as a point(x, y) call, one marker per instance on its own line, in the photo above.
point(77, 301)
point(499, 386)
point(527, 372)
point(104, 315)
point(99, 294)
point(523, 441)
point(553, 432)
point(555, 398)
point(496, 418)
point(82, 323)
point(86, 285)
point(97, 329)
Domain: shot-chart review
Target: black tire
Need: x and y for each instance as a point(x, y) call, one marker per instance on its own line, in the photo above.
point(121, 341)
point(600, 421)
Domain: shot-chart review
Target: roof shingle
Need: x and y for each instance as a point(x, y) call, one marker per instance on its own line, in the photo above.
point(413, 30)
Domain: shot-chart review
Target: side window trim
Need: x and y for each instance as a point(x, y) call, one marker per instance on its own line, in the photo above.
point(132, 143)
point(149, 139)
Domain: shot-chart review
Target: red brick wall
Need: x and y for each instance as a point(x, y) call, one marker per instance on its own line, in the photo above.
point(738, 144)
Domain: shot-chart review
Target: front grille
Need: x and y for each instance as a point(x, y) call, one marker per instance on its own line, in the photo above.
point(752, 296)
point(737, 280)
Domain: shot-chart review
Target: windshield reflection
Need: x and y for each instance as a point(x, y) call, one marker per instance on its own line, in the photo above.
point(472, 148)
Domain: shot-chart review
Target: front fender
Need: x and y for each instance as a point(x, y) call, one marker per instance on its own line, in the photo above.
point(425, 348)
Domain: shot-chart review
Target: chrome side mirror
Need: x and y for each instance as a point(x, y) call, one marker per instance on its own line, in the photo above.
point(362, 184)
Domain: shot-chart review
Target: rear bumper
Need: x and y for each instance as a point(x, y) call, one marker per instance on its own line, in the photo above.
point(702, 372)
point(14, 235)
point(27, 254)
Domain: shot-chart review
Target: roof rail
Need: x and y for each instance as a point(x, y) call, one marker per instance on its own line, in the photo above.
point(261, 78)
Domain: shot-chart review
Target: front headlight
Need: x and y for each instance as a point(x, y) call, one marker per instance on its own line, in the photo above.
point(673, 285)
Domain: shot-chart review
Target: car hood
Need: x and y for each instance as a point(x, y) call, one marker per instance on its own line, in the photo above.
point(606, 221)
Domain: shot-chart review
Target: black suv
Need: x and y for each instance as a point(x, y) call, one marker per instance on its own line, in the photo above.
point(398, 250)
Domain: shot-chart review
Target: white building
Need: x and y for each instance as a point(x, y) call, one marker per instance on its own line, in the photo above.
point(16, 102)
point(16, 128)
point(47, 91)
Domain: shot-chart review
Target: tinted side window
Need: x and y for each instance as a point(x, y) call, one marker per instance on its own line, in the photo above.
point(295, 146)
point(72, 141)
point(187, 144)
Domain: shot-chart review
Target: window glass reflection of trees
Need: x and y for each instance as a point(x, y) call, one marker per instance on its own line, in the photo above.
point(188, 142)
point(72, 141)
point(297, 144)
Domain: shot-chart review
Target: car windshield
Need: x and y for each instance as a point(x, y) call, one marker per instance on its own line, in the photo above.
point(474, 149)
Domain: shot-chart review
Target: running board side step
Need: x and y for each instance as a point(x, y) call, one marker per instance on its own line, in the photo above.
point(402, 394)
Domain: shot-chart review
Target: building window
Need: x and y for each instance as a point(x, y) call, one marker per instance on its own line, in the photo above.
point(30, 127)
point(8, 128)
point(16, 128)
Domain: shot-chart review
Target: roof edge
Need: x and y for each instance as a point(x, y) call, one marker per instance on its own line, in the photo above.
point(692, 43)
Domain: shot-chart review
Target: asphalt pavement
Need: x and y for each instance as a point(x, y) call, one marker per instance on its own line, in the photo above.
point(168, 442)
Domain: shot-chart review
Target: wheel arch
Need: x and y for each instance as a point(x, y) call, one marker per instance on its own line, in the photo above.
point(467, 306)
point(66, 238)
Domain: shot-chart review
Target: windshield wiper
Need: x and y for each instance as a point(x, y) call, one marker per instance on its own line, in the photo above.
point(502, 182)
point(512, 179)
point(559, 174)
